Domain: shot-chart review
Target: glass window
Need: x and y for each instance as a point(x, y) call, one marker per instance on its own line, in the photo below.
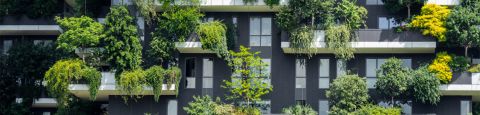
point(300, 70)
point(300, 93)
point(190, 83)
point(268, 62)
point(324, 67)
point(46, 113)
point(43, 42)
point(371, 2)
point(341, 67)
point(407, 108)
point(383, 23)
point(407, 63)
point(371, 82)
point(234, 20)
point(465, 107)
point(371, 67)
point(323, 107)
point(301, 82)
point(208, 67)
point(7, 44)
point(172, 107)
point(323, 83)
point(190, 67)
point(260, 31)
point(207, 83)
point(319, 36)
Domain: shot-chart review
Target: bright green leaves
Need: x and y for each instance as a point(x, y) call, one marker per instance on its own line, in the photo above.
point(212, 36)
point(131, 83)
point(79, 32)
point(338, 41)
point(347, 93)
point(393, 79)
point(299, 110)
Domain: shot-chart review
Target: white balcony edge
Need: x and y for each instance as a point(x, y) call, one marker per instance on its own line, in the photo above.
point(444, 2)
point(191, 47)
point(374, 47)
point(30, 30)
point(221, 5)
point(41, 102)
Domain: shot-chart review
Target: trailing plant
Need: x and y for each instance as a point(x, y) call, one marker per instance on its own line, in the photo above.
point(154, 78)
point(212, 36)
point(459, 63)
point(474, 69)
point(251, 2)
point(440, 67)
point(393, 80)
point(146, 9)
point(431, 21)
point(173, 77)
point(131, 83)
point(122, 43)
point(202, 105)
point(301, 40)
point(371, 109)
point(299, 110)
point(347, 93)
point(338, 41)
point(79, 32)
point(63, 72)
point(425, 86)
point(462, 26)
point(161, 49)
point(250, 71)
point(271, 3)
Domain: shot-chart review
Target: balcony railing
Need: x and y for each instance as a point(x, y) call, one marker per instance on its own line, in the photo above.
point(444, 2)
point(464, 83)
point(108, 87)
point(220, 5)
point(374, 41)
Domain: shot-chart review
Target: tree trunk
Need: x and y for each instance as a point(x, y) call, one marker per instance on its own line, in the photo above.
point(408, 9)
point(466, 51)
point(392, 102)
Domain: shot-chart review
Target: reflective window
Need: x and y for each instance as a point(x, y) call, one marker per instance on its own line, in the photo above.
point(190, 83)
point(341, 67)
point(324, 80)
point(374, 2)
point(465, 107)
point(172, 107)
point(7, 44)
point(300, 70)
point(387, 23)
point(208, 67)
point(323, 107)
point(300, 82)
point(190, 67)
point(260, 31)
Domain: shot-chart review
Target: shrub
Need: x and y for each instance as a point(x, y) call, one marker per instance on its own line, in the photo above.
point(474, 69)
point(154, 78)
point(432, 21)
point(377, 110)
point(425, 86)
point(440, 67)
point(80, 32)
point(347, 93)
point(201, 106)
point(271, 3)
point(393, 79)
point(299, 110)
point(131, 83)
point(213, 37)
point(459, 63)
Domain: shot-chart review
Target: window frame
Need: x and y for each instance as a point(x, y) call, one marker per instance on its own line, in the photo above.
point(260, 36)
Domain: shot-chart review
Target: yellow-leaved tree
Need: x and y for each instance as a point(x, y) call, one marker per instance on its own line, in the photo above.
point(441, 68)
point(431, 21)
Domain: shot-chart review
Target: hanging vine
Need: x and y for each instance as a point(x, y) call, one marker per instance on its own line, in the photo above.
point(154, 78)
point(131, 84)
point(338, 40)
point(146, 9)
point(213, 37)
point(301, 40)
point(173, 77)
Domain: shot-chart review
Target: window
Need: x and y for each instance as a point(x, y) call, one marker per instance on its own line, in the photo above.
point(207, 86)
point(324, 76)
point(207, 19)
point(7, 44)
point(46, 113)
point(172, 107)
point(387, 23)
point(374, 2)
point(465, 107)
point(374, 64)
point(265, 106)
point(323, 107)
point(341, 67)
point(42, 42)
point(261, 31)
point(190, 72)
point(267, 72)
point(300, 79)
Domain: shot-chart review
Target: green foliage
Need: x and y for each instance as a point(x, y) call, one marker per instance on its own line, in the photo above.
point(474, 69)
point(392, 79)
point(77, 106)
point(79, 32)
point(201, 106)
point(31, 8)
point(301, 40)
point(250, 72)
point(441, 68)
point(459, 63)
point(122, 43)
point(63, 72)
point(299, 110)
point(146, 9)
point(338, 41)
point(173, 77)
point(371, 109)
point(249, 1)
point(476, 108)
point(431, 21)
point(212, 36)
point(425, 86)
point(131, 83)
point(154, 77)
point(347, 93)
point(402, 7)
point(90, 8)
point(161, 48)
point(351, 14)
point(317, 14)
point(462, 25)
point(271, 3)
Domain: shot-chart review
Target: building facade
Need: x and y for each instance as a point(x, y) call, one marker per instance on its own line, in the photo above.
point(203, 72)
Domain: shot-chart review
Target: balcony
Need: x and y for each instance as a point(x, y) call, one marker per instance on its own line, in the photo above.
point(191, 47)
point(444, 2)
point(466, 84)
point(12, 25)
point(108, 87)
point(221, 5)
point(373, 41)
point(41, 102)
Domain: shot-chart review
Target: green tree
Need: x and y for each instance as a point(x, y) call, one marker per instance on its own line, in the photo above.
point(122, 43)
point(249, 74)
point(299, 110)
point(347, 94)
point(202, 105)
point(213, 37)
point(79, 32)
point(371, 109)
point(351, 14)
point(463, 26)
point(425, 86)
point(393, 79)
point(402, 6)
point(431, 21)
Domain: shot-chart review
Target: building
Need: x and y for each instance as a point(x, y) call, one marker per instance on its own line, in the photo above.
point(203, 72)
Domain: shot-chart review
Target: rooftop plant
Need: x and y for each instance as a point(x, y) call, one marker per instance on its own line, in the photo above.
point(79, 32)
point(338, 40)
point(431, 21)
point(212, 36)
